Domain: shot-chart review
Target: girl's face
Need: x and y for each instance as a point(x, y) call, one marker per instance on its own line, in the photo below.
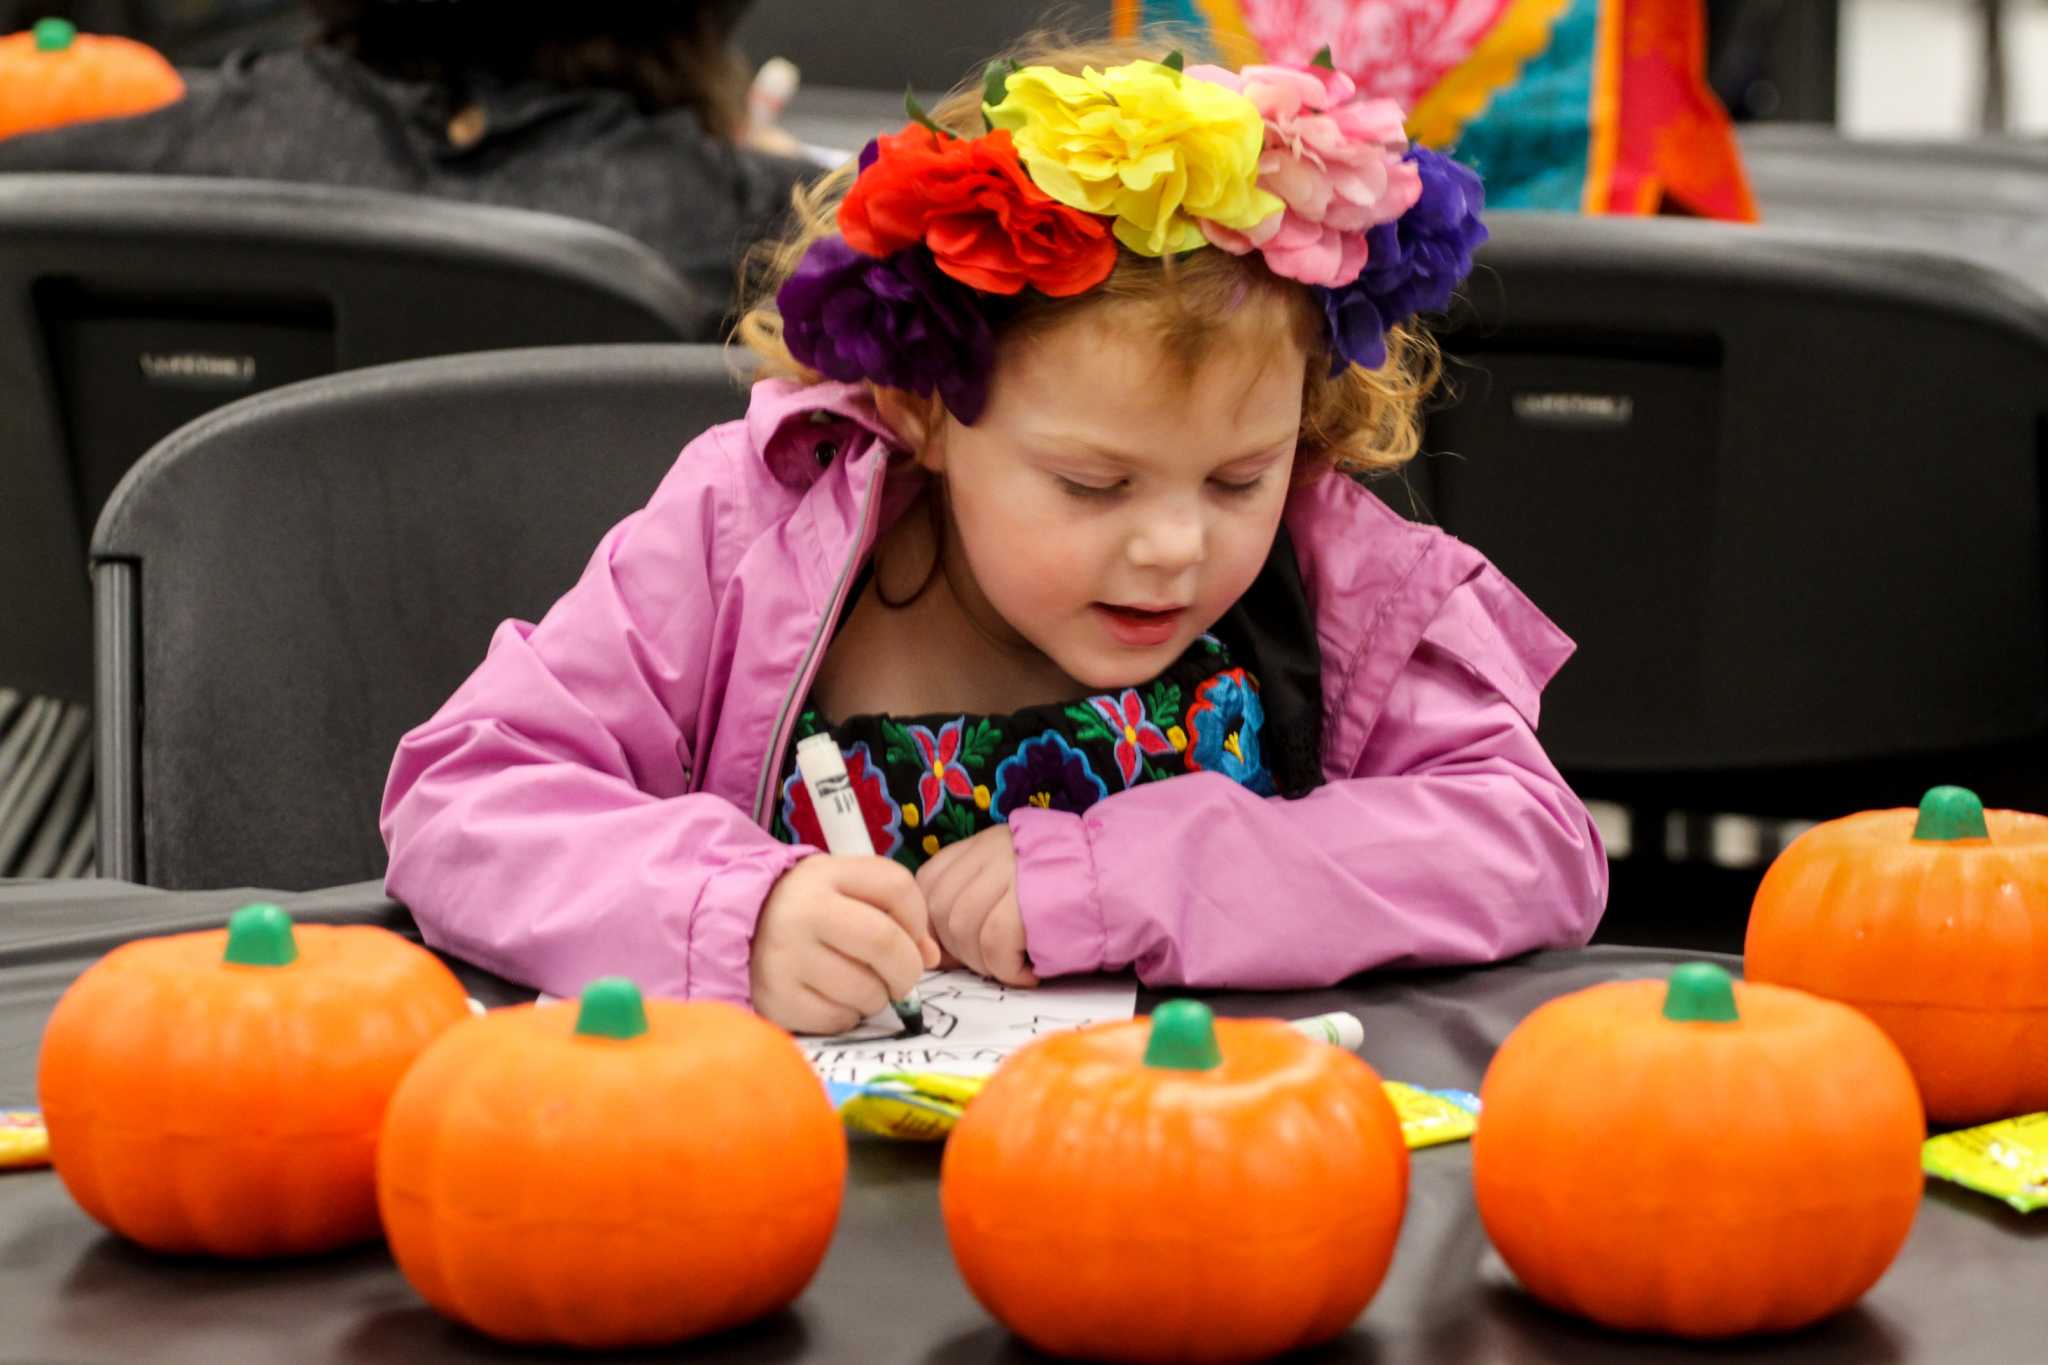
point(1110, 506)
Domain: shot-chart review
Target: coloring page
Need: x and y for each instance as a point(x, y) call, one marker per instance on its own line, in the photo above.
point(970, 1025)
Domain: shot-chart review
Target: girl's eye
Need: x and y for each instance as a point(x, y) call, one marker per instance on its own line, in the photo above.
point(1088, 490)
point(1236, 490)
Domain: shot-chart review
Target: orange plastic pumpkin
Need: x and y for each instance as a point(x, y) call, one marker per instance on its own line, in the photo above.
point(1176, 1189)
point(52, 75)
point(1935, 924)
point(1705, 1159)
point(221, 1092)
point(619, 1173)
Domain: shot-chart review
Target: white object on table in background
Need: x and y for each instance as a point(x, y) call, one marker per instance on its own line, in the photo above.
point(1337, 1029)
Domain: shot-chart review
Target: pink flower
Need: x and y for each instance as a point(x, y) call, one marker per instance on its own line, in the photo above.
point(1132, 731)
point(1336, 161)
point(943, 776)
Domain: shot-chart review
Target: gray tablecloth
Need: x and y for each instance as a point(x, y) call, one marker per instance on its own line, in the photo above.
point(1968, 1287)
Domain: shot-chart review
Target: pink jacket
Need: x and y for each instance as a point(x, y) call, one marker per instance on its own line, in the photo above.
point(595, 798)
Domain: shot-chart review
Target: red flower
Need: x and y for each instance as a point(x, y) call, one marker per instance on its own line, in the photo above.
point(1129, 727)
point(879, 809)
point(970, 201)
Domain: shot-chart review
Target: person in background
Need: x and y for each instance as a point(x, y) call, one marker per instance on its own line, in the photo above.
point(627, 113)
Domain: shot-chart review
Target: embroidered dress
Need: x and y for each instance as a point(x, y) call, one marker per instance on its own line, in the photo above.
point(928, 781)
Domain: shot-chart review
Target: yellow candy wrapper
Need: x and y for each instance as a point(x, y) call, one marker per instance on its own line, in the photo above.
point(1429, 1117)
point(916, 1107)
point(23, 1139)
point(924, 1106)
point(2007, 1160)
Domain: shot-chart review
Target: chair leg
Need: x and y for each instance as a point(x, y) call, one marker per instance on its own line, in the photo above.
point(68, 810)
point(45, 766)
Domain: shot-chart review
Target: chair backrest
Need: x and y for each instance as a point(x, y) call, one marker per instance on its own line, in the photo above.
point(1987, 199)
point(131, 304)
point(1785, 490)
point(288, 584)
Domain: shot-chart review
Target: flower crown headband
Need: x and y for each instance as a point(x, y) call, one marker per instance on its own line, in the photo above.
point(938, 231)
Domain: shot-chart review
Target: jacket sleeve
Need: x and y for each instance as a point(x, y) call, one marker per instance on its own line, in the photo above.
point(539, 824)
point(1454, 841)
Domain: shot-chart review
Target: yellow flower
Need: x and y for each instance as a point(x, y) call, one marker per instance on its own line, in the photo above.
point(931, 844)
point(910, 814)
point(1144, 143)
point(1177, 737)
point(981, 797)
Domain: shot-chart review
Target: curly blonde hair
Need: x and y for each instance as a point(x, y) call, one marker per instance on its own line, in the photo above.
point(1358, 420)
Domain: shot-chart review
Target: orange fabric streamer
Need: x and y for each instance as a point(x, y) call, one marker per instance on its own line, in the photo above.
point(1674, 145)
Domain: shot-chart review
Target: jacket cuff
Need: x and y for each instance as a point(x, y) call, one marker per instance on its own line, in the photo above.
point(1056, 893)
point(720, 941)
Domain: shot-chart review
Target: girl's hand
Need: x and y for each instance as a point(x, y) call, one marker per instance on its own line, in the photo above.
point(837, 940)
point(971, 890)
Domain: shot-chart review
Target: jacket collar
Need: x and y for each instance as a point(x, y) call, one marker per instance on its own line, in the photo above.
point(801, 429)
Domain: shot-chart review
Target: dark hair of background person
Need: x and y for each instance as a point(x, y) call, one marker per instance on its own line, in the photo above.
point(665, 54)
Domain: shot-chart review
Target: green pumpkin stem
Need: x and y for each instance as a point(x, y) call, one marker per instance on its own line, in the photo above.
point(1950, 813)
point(55, 35)
point(260, 936)
point(1183, 1037)
point(611, 1008)
point(1700, 993)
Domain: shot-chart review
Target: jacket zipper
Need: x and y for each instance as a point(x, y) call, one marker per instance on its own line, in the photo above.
point(814, 654)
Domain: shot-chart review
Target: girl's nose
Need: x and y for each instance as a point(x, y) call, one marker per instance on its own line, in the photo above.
point(1168, 542)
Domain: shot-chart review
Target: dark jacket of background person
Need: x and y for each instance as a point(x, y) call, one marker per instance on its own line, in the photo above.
point(323, 115)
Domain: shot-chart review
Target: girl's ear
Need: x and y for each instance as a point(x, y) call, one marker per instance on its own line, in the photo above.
point(919, 422)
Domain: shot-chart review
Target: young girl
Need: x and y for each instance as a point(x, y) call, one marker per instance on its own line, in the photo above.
point(1041, 510)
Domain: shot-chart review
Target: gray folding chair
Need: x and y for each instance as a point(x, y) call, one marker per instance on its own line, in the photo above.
point(130, 305)
point(287, 585)
point(1787, 492)
point(1986, 199)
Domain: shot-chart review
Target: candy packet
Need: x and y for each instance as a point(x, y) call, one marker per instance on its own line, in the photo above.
point(1429, 1117)
point(2007, 1160)
point(23, 1140)
point(923, 1107)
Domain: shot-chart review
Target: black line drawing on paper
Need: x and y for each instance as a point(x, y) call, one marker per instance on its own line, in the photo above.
point(971, 1025)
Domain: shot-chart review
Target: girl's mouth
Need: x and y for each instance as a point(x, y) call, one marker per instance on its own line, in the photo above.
point(1139, 627)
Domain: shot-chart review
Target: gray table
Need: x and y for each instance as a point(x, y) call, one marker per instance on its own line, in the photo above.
point(1967, 1288)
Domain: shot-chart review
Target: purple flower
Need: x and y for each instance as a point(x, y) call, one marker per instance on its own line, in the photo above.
point(1358, 335)
point(1046, 772)
point(1413, 265)
point(898, 321)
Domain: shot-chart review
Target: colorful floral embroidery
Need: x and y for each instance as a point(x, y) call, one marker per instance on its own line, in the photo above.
point(877, 807)
point(1132, 730)
point(1049, 773)
point(929, 782)
point(945, 756)
point(1224, 724)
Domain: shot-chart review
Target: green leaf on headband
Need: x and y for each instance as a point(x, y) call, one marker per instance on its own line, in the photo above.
point(1324, 59)
point(917, 113)
point(1174, 61)
point(995, 83)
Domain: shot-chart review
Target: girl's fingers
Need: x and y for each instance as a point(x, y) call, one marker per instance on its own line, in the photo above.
point(1002, 949)
point(939, 878)
point(846, 981)
point(860, 934)
point(889, 886)
point(813, 1012)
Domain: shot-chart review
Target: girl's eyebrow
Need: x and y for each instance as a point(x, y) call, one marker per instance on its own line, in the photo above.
point(1053, 445)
